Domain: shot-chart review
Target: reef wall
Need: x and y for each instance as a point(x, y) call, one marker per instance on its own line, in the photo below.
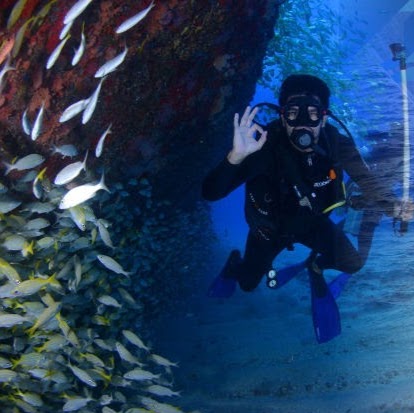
point(169, 97)
point(188, 63)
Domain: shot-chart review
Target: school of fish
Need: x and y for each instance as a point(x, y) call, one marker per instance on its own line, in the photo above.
point(68, 332)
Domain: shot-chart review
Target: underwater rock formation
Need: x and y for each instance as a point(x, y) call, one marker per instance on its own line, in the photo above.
point(188, 63)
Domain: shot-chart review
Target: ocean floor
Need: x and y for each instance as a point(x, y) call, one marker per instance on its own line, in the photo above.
point(257, 353)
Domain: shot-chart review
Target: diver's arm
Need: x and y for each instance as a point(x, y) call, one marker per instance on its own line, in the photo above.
point(373, 190)
point(244, 160)
point(244, 139)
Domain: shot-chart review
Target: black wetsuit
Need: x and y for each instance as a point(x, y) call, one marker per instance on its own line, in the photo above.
point(276, 177)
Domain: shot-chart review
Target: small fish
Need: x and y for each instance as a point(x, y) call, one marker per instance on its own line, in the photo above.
point(7, 204)
point(29, 287)
point(125, 355)
point(162, 361)
point(31, 398)
point(134, 339)
point(65, 30)
point(14, 242)
point(65, 150)
point(11, 274)
point(26, 124)
point(161, 391)
point(159, 407)
point(56, 53)
point(99, 146)
point(109, 301)
point(81, 194)
point(72, 110)
point(75, 403)
point(6, 68)
point(37, 186)
point(78, 216)
point(82, 375)
point(55, 343)
point(111, 65)
point(11, 320)
point(6, 376)
point(46, 316)
point(36, 223)
point(111, 264)
point(92, 101)
point(80, 50)
point(132, 21)
point(37, 126)
point(76, 10)
point(15, 13)
point(104, 234)
point(27, 162)
point(70, 172)
point(140, 375)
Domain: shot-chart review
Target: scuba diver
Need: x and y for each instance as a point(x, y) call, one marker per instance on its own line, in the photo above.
point(293, 172)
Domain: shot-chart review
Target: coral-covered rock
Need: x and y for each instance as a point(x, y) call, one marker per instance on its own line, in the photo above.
point(190, 65)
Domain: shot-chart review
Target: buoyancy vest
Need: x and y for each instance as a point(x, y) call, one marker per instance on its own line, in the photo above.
point(309, 183)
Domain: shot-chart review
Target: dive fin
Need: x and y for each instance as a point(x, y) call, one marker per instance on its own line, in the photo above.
point(325, 312)
point(222, 287)
point(337, 284)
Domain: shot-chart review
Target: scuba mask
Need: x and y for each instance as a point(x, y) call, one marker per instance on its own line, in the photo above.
point(301, 112)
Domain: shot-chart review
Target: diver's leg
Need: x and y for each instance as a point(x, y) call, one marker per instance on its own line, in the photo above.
point(333, 246)
point(258, 258)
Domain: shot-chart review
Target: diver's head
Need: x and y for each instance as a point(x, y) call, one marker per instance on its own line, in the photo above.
point(304, 100)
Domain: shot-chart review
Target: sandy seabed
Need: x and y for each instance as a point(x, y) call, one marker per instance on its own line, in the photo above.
point(257, 352)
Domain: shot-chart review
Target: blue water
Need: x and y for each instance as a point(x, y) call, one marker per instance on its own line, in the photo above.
point(257, 352)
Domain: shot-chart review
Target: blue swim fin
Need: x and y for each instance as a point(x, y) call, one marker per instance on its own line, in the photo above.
point(325, 312)
point(337, 284)
point(222, 287)
point(276, 279)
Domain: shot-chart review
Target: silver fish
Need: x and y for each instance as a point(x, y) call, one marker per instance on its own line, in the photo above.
point(109, 301)
point(6, 68)
point(76, 10)
point(161, 391)
point(72, 110)
point(134, 339)
point(82, 375)
point(81, 194)
point(56, 53)
point(70, 172)
point(65, 30)
point(7, 376)
point(26, 124)
point(140, 374)
point(92, 101)
point(65, 150)
point(75, 403)
point(104, 234)
point(37, 126)
point(99, 145)
point(112, 64)
point(111, 264)
point(11, 320)
point(132, 21)
point(80, 50)
point(27, 162)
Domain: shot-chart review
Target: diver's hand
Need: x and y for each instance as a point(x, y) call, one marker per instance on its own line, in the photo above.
point(244, 142)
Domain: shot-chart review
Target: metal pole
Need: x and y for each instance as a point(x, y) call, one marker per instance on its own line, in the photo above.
point(398, 51)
